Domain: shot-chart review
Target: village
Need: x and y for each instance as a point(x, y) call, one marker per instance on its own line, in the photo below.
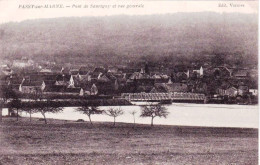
point(129, 82)
point(219, 84)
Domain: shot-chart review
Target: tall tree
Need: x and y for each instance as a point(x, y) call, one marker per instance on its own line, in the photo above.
point(17, 105)
point(89, 111)
point(47, 107)
point(114, 112)
point(154, 111)
point(6, 94)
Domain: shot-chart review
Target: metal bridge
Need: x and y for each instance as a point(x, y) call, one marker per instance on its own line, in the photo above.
point(163, 96)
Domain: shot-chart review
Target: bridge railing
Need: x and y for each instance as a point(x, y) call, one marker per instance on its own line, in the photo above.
point(163, 96)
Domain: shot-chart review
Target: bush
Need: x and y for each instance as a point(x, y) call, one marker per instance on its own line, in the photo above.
point(80, 120)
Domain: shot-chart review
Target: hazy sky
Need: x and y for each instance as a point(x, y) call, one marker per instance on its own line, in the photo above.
point(10, 11)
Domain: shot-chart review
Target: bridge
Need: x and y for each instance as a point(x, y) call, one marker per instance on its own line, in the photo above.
point(176, 96)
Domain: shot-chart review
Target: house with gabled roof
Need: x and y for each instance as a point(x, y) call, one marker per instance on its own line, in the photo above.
point(112, 70)
point(90, 89)
point(14, 82)
point(47, 84)
point(84, 78)
point(74, 81)
point(106, 88)
point(93, 90)
point(74, 72)
point(99, 70)
point(62, 80)
point(30, 86)
point(223, 71)
point(111, 76)
point(120, 80)
point(103, 78)
point(71, 82)
point(65, 70)
point(199, 71)
point(95, 75)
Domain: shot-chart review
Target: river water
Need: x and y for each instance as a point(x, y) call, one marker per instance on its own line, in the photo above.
point(184, 114)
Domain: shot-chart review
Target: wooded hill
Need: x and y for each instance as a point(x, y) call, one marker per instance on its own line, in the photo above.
point(111, 39)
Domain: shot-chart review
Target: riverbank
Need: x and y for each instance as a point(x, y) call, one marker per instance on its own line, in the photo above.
point(68, 142)
point(103, 102)
point(70, 103)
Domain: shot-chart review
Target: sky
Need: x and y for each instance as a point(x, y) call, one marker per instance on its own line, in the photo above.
point(13, 11)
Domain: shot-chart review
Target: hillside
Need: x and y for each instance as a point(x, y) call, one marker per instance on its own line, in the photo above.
point(104, 39)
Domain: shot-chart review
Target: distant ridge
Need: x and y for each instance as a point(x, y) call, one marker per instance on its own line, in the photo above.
point(103, 38)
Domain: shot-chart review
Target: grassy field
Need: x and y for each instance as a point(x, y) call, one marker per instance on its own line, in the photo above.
point(67, 142)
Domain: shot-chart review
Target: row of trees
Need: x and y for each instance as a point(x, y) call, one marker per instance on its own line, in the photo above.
point(9, 99)
point(146, 111)
point(92, 110)
point(42, 107)
point(39, 105)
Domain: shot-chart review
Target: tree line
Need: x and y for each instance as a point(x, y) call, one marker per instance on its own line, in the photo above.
point(15, 105)
point(39, 104)
point(151, 111)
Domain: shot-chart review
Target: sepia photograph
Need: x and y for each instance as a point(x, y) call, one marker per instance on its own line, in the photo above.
point(114, 82)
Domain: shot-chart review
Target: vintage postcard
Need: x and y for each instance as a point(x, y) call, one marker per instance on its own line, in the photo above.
point(128, 82)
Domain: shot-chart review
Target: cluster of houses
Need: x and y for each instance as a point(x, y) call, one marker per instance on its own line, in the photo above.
point(83, 81)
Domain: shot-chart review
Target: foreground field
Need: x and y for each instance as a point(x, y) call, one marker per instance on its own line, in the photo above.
point(67, 142)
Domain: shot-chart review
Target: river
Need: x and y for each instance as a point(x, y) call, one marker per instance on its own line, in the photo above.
point(184, 114)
